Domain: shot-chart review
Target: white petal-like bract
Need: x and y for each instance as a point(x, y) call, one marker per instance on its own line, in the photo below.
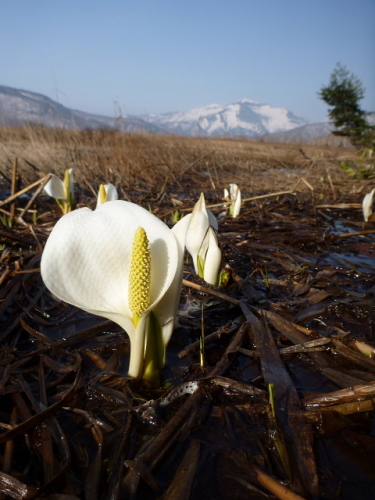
point(87, 257)
point(367, 205)
point(166, 308)
point(235, 196)
point(111, 194)
point(213, 258)
point(197, 231)
point(55, 188)
point(237, 204)
point(201, 242)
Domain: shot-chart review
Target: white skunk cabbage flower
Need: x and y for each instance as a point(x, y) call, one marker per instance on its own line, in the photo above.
point(235, 196)
point(209, 257)
point(62, 191)
point(367, 205)
point(226, 194)
point(123, 263)
point(107, 192)
point(201, 242)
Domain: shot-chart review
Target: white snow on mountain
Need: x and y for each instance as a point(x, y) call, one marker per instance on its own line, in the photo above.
point(244, 117)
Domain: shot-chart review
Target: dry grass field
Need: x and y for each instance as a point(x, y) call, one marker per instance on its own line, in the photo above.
point(155, 164)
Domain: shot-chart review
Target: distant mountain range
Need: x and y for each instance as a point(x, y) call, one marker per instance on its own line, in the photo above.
point(303, 134)
point(247, 118)
point(20, 107)
point(244, 118)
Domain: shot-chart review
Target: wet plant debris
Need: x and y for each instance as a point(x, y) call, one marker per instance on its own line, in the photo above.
point(269, 385)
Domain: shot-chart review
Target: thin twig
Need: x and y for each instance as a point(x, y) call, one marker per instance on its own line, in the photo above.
point(342, 206)
point(24, 190)
point(355, 233)
point(279, 490)
point(225, 203)
point(312, 194)
point(35, 195)
point(211, 292)
point(13, 187)
point(331, 184)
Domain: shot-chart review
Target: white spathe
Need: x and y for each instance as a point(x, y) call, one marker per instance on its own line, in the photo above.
point(367, 205)
point(62, 191)
point(237, 204)
point(58, 189)
point(110, 192)
point(235, 196)
point(233, 189)
point(199, 240)
point(212, 258)
point(201, 220)
point(86, 262)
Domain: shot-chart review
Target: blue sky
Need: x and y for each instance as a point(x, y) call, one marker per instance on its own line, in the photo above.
point(157, 56)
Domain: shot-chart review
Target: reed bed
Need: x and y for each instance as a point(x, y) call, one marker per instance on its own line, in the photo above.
point(153, 162)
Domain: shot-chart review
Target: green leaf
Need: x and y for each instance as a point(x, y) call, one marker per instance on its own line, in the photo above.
point(223, 278)
point(200, 262)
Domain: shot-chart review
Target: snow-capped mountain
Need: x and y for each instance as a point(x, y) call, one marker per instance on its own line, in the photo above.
point(245, 117)
point(20, 107)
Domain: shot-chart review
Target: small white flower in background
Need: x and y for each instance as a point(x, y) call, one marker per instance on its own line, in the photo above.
point(226, 194)
point(201, 242)
point(235, 196)
point(367, 205)
point(107, 192)
point(62, 191)
point(123, 263)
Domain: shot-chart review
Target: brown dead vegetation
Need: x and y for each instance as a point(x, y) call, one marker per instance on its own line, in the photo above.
point(153, 162)
point(296, 314)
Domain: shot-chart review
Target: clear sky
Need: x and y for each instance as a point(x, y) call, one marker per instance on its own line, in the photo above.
point(157, 56)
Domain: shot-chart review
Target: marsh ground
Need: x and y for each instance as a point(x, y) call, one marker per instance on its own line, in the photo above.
point(301, 269)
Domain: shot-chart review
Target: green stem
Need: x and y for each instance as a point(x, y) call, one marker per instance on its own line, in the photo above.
point(154, 352)
point(137, 348)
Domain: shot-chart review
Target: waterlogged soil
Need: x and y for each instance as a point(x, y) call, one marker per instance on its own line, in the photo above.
point(72, 423)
